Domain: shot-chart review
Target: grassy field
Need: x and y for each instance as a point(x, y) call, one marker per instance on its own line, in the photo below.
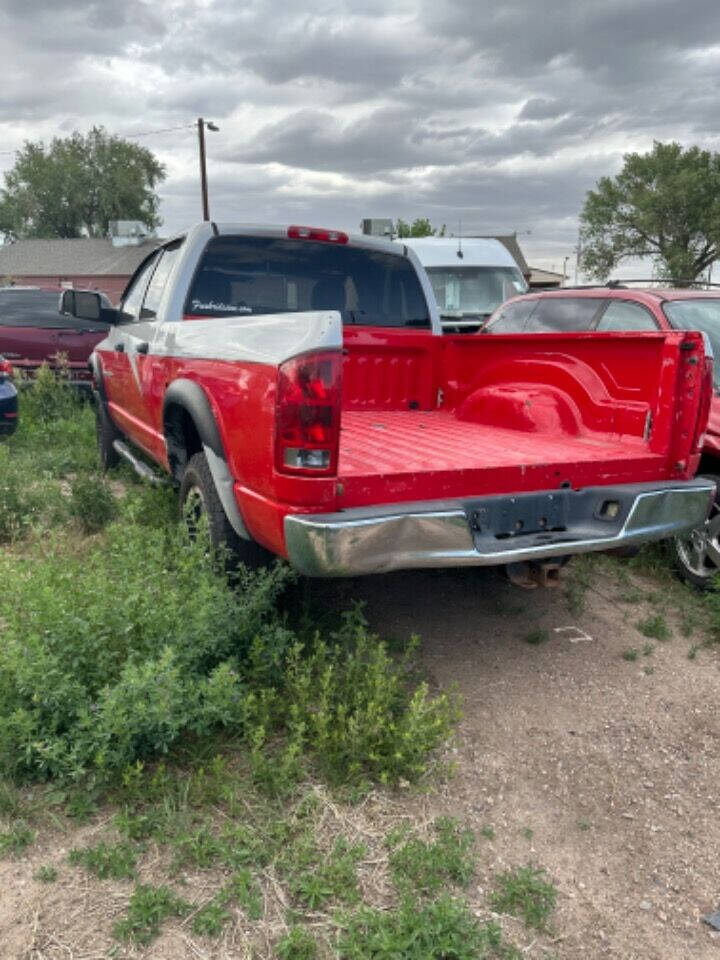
point(239, 759)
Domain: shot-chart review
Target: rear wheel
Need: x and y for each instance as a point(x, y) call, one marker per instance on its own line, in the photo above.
point(107, 433)
point(200, 508)
point(697, 554)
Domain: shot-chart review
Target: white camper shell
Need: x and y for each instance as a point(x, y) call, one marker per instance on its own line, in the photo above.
point(470, 277)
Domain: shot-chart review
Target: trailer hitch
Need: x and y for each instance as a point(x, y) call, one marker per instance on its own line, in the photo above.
point(530, 574)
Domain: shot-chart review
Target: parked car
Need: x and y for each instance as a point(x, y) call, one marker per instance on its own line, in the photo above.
point(617, 308)
point(8, 399)
point(296, 384)
point(33, 332)
point(470, 278)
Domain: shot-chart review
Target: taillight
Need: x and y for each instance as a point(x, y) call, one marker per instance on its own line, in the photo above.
point(5, 368)
point(307, 414)
point(706, 392)
point(317, 233)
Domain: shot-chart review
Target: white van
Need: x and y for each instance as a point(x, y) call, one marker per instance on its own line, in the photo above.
point(469, 277)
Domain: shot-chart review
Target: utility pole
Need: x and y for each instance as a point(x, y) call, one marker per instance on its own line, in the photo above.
point(201, 124)
point(578, 255)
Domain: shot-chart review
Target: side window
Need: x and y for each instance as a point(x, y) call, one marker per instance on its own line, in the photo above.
point(564, 314)
point(623, 315)
point(512, 318)
point(130, 306)
point(156, 287)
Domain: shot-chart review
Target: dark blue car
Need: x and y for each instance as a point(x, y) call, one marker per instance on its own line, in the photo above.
point(8, 399)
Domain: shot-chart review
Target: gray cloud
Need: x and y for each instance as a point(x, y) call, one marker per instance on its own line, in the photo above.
point(502, 115)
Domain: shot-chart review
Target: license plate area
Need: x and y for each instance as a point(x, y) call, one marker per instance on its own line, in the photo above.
point(508, 517)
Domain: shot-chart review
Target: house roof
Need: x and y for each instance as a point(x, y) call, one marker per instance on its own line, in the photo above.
point(86, 256)
point(537, 275)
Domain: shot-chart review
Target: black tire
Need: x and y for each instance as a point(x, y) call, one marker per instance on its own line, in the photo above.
point(107, 433)
point(697, 554)
point(198, 499)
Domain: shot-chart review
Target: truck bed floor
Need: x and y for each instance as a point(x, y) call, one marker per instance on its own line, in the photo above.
point(416, 441)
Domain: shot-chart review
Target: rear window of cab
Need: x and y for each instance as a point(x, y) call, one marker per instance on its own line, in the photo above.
point(265, 275)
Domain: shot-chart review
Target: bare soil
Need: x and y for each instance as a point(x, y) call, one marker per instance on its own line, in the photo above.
point(603, 771)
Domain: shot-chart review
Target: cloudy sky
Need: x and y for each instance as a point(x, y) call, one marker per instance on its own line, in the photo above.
point(500, 115)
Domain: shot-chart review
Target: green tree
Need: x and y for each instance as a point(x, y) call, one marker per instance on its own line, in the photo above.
point(420, 227)
point(664, 204)
point(77, 184)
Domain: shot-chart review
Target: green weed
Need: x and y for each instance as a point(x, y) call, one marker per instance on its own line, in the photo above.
point(525, 892)
point(211, 918)
point(648, 649)
point(630, 654)
point(430, 867)
point(536, 637)
point(117, 861)
point(246, 892)
point(654, 626)
point(333, 877)
point(297, 944)
point(46, 874)
point(577, 582)
point(16, 839)
point(443, 928)
point(149, 906)
point(92, 502)
point(487, 832)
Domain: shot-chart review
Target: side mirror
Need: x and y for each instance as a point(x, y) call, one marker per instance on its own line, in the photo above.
point(87, 305)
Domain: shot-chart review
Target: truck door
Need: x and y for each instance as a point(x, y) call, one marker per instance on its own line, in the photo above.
point(119, 355)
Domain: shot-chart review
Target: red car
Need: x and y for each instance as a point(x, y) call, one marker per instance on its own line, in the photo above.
point(618, 308)
point(33, 331)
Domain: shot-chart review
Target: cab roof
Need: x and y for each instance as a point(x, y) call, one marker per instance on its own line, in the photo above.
point(443, 252)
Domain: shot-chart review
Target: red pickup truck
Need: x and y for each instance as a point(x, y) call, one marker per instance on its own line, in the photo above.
point(296, 384)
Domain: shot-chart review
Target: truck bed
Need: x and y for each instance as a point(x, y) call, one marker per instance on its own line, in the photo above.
point(433, 454)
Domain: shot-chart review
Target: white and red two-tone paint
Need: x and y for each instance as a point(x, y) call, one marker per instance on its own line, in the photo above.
point(343, 431)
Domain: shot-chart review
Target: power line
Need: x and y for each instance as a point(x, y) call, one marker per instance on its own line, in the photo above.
point(127, 136)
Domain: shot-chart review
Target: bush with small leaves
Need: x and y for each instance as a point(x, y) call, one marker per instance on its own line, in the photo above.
point(92, 502)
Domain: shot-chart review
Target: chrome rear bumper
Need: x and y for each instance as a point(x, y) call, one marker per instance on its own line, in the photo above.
point(484, 531)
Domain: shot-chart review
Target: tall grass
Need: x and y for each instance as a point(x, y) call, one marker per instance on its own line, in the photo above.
point(120, 646)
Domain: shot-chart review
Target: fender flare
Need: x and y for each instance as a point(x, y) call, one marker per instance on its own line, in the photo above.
point(95, 368)
point(190, 396)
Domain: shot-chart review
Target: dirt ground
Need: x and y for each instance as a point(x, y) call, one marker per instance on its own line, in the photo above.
point(603, 770)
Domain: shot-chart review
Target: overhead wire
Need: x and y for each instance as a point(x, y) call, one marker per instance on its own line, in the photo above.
point(126, 136)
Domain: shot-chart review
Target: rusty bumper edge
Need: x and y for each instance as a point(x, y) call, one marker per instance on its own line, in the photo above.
point(417, 536)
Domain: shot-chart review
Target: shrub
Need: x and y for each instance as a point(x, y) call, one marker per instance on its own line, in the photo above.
point(115, 654)
point(92, 502)
point(359, 713)
point(108, 656)
point(49, 395)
